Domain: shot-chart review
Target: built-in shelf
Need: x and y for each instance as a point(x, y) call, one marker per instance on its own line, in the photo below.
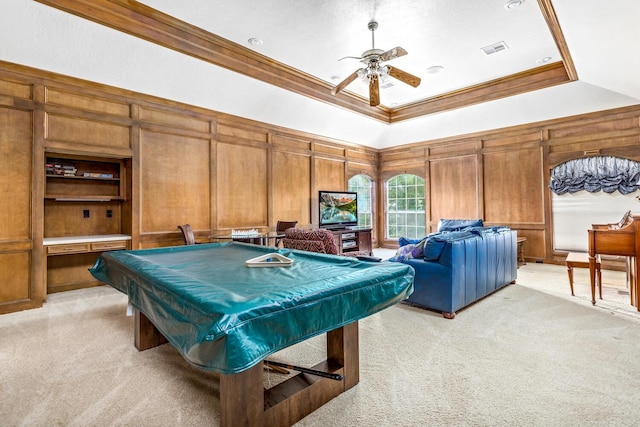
point(84, 202)
point(71, 178)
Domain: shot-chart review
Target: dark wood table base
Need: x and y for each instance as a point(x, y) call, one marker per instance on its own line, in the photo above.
point(245, 402)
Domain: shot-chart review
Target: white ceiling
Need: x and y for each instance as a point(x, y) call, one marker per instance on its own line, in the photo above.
point(311, 36)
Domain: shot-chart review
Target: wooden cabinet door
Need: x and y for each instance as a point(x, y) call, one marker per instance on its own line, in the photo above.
point(18, 289)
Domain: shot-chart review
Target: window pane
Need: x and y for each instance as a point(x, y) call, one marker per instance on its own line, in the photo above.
point(405, 206)
point(362, 185)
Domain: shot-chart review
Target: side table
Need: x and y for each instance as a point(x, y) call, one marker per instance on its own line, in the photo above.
point(520, 241)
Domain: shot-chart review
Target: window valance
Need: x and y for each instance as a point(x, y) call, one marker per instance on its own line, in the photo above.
point(594, 174)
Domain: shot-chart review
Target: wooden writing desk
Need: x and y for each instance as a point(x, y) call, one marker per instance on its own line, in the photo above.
point(621, 239)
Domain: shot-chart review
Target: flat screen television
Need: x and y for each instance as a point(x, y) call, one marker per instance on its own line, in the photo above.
point(338, 209)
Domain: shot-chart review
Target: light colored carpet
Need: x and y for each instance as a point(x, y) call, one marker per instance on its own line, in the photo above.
point(521, 357)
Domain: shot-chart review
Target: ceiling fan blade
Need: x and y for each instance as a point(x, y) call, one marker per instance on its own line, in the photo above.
point(350, 57)
point(374, 91)
point(396, 52)
point(404, 77)
point(345, 82)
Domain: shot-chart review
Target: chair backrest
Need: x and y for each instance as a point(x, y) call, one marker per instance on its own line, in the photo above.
point(187, 234)
point(282, 226)
point(320, 240)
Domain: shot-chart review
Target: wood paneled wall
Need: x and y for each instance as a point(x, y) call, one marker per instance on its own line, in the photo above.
point(182, 164)
point(218, 172)
point(502, 176)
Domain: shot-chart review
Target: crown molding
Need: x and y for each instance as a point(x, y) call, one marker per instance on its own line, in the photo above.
point(141, 21)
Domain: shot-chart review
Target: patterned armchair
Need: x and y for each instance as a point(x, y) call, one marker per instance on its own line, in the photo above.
point(319, 240)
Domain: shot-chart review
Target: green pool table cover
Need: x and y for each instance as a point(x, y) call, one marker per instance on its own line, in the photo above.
point(224, 316)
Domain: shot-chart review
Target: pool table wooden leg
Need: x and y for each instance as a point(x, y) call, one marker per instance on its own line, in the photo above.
point(146, 335)
point(244, 402)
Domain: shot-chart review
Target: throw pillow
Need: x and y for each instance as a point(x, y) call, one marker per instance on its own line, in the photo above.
point(404, 241)
point(403, 253)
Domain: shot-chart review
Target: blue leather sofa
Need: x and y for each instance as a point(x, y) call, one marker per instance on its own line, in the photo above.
point(459, 264)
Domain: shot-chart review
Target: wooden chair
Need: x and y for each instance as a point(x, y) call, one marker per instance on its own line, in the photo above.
point(283, 226)
point(187, 234)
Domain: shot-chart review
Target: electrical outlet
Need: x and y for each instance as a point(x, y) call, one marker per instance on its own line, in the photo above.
point(109, 213)
point(85, 213)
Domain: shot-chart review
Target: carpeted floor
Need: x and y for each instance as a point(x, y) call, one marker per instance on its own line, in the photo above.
point(528, 355)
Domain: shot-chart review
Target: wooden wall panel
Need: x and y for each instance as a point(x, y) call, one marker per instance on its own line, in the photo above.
point(16, 89)
point(241, 187)
point(513, 187)
point(67, 218)
point(593, 127)
point(18, 289)
point(238, 134)
point(289, 143)
point(85, 102)
point(86, 132)
point(291, 187)
point(175, 175)
point(535, 245)
point(329, 149)
point(460, 147)
point(328, 175)
point(454, 188)
point(15, 174)
point(179, 121)
point(14, 277)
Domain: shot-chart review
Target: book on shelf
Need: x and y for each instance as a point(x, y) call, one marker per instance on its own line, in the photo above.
point(55, 168)
point(97, 175)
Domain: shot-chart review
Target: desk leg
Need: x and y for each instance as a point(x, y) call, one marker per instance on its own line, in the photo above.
point(243, 401)
point(592, 277)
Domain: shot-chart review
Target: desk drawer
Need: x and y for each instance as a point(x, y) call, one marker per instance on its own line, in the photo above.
point(109, 246)
point(72, 248)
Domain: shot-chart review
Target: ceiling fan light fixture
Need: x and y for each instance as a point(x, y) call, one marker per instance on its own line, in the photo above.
point(374, 74)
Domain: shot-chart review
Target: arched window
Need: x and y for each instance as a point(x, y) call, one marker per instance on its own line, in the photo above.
point(405, 213)
point(363, 185)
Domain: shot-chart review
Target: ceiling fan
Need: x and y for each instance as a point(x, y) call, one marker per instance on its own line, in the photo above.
point(375, 71)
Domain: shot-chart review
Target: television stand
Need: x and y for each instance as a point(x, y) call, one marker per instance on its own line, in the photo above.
point(353, 240)
point(337, 228)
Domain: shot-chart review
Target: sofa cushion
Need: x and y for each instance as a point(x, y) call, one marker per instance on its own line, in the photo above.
point(433, 249)
point(458, 224)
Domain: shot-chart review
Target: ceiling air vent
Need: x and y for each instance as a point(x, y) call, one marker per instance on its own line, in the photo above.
point(496, 47)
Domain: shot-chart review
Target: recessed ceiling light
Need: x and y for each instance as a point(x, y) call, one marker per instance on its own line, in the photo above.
point(435, 69)
point(255, 41)
point(543, 60)
point(512, 4)
point(335, 77)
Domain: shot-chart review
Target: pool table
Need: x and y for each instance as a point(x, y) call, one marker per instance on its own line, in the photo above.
point(225, 316)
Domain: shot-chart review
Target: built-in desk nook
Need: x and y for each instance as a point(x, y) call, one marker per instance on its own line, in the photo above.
point(87, 211)
point(68, 259)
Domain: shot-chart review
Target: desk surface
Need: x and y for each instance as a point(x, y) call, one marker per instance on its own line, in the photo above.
point(224, 316)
